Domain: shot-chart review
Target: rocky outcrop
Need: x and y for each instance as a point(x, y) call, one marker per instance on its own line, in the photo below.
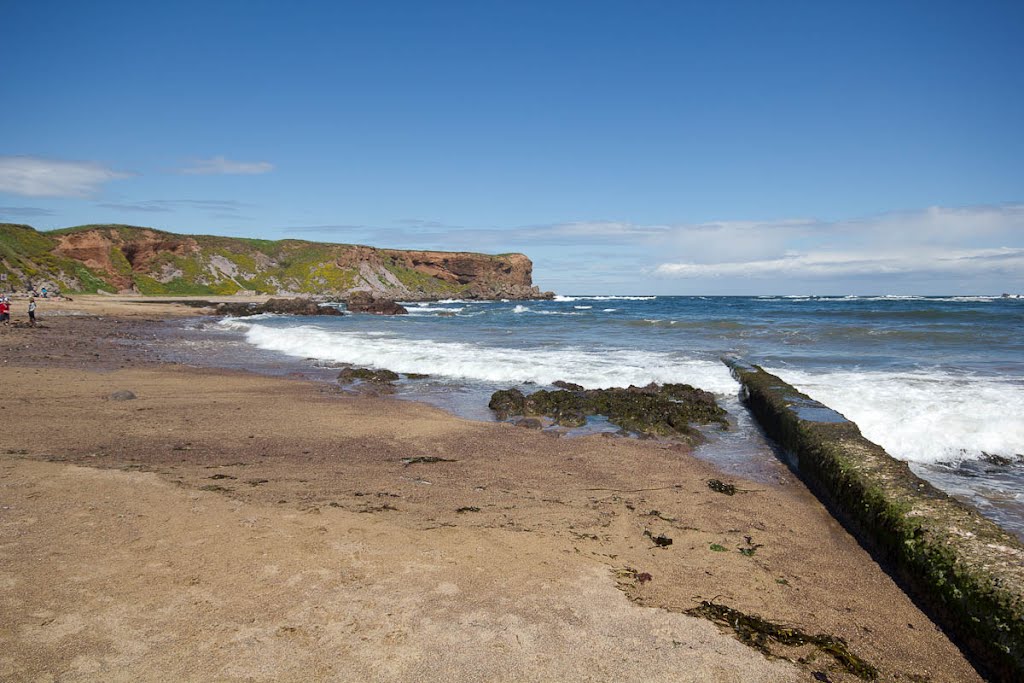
point(654, 410)
point(127, 259)
point(297, 306)
point(365, 302)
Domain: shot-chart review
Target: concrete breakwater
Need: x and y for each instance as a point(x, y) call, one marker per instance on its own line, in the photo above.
point(962, 567)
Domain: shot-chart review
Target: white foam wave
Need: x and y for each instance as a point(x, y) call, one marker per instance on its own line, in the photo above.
point(521, 309)
point(924, 416)
point(582, 308)
point(423, 308)
point(464, 361)
point(609, 310)
point(608, 297)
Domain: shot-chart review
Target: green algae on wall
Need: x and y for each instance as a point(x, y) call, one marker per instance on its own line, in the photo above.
point(965, 569)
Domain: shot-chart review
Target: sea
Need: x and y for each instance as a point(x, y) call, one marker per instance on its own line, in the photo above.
point(938, 381)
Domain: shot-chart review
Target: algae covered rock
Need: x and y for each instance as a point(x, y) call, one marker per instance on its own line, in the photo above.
point(667, 410)
point(381, 376)
point(506, 403)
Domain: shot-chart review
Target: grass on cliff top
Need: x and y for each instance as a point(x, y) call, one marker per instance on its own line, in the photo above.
point(272, 248)
point(23, 240)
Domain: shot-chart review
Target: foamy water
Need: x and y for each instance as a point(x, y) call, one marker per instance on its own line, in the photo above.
point(499, 364)
point(924, 417)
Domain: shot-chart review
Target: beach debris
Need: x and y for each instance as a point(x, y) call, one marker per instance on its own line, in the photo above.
point(385, 507)
point(761, 634)
point(468, 508)
point(425, 459)
point(652, 410)
point(221, 476)
point(821, 676)
point(655, 513)
point(751, 547)
point(122, 395)
point(719, 486)
point(367, 302)
point(381, 376)
point(214, 487)
point(256, 482)
point(661, 540)
point(627, 575)
point(718, 547)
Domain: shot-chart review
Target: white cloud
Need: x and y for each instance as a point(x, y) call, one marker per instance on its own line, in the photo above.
point(36, 177)
point(937, 241)
point(845, 264)
point(220, 166)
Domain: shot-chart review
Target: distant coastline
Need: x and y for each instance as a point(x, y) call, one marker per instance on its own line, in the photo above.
point(124, 259)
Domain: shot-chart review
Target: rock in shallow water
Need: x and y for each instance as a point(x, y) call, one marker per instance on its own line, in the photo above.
point(367, 375)
point(665, 410)
point(297, 306)
point(366, 302)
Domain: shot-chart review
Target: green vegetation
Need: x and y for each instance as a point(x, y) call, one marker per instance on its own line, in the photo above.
point(120, 261)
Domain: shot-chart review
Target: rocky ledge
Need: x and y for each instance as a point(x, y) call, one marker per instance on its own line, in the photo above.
point(654, 410)
point(367, 302)
point(297, 306)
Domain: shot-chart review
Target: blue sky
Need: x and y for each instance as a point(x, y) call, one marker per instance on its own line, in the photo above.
point(627, 147)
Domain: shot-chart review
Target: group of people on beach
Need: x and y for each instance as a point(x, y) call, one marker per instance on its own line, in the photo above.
point(5, 310)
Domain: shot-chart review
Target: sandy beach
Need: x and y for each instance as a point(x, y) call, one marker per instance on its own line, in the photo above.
point(223, 525)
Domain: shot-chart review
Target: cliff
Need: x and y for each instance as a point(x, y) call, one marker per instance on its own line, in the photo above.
point(120, 258)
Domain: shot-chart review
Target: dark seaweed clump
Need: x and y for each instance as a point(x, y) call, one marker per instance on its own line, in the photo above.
point(655, 410)
point(720, 486)
point(760, 633)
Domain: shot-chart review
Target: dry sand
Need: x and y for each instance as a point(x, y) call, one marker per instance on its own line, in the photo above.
point(227, 526)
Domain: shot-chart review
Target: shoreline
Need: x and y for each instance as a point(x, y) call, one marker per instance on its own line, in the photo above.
point(491, 563)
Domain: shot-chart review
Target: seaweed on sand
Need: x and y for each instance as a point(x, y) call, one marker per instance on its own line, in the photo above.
point(761, 634)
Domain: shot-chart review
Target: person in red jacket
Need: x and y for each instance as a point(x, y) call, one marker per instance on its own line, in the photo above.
point(5, 312)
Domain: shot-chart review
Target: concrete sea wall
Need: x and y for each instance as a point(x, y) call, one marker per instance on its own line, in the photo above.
point(963, 568)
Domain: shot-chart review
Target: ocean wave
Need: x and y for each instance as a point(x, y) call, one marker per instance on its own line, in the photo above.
point(923, 416)
point(608, 297)
point(415, 310)
point(498, 365)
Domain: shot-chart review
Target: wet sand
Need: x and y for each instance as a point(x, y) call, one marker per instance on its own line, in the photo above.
point(228, 526)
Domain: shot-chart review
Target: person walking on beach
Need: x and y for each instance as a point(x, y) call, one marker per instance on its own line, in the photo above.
point(5, 312)
point(32, 311)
